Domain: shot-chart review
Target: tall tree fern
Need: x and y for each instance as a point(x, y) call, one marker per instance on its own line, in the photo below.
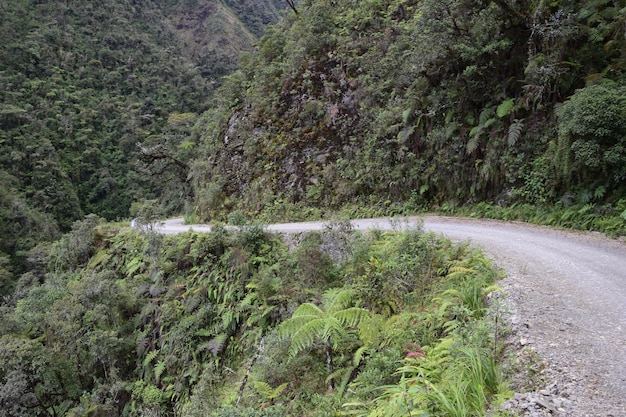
point(328, 323)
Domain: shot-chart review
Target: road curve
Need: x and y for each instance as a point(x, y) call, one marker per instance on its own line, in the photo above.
point(567, 289)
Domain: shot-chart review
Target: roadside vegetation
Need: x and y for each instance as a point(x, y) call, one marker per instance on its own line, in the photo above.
point(129, 323)
point(423, 103)
point(97, 103)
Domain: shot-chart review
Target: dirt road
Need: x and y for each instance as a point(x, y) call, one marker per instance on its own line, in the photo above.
point(567, 295)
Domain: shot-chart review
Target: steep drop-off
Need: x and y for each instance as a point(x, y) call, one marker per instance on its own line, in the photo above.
point(83, 83)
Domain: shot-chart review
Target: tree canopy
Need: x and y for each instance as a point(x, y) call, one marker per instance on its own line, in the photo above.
point(97, 100)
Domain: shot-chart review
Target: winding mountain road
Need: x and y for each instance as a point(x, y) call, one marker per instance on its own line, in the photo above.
point(566, 292)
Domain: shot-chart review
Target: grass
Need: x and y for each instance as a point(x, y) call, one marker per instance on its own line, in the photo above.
point(607, 219)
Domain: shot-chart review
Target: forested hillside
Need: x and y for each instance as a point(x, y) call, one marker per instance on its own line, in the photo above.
point(384, 102)
point(83, 83)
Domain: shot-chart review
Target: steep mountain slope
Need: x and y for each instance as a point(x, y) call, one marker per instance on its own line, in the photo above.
point(82, 83)
point(424, 101)
point(214, 33)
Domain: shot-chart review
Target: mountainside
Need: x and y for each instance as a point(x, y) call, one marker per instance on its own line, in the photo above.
point(422, 101)
point(82, 83)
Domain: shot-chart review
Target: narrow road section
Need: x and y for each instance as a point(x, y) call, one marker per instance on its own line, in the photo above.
point(566, 292)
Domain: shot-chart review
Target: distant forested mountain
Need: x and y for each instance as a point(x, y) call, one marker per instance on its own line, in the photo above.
point(83, 83)
point(426, 102)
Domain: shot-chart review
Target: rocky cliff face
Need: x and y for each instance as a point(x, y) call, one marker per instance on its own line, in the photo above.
point(405, 100)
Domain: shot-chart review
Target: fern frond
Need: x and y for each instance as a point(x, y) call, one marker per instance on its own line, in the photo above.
point(358, 355)
point(248, 300)
point(442, 311)
point(405, 115)
point(308, 310)
point(134, 265)
point(450, 326)
point(337, 373)
point(290, 327)
point(100, 258)
point(352, 316)
point(216, 345)
point(453, 293)
point(485, 115)
point(192, 302)
point(489, 122)
point(150, 357)
point(158, 370)
point(306, 335)
point(472, 143)
point(333, 329)
point(405, 134)
point(505, 108)
point(451, 129)
point(203, 333)
point(515, 131)
point(492, 288)
point(370, 329)
point(263, 389)
point(459, 271)
point(266, 391)
point(338, 298)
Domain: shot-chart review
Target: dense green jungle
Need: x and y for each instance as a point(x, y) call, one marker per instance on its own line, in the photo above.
point(97, 102)
point(120, 322)
point(231, 110)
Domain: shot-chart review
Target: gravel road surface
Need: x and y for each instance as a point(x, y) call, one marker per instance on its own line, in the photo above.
point(566, 292)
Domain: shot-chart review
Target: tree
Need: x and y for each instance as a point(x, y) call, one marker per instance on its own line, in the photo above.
point(592, 145)
point(329, 324)
point(292, 4)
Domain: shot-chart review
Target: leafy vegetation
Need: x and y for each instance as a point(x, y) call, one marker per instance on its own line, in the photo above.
point(513, 110)
point(97, 104)
point(420, 101)
point(133, 323)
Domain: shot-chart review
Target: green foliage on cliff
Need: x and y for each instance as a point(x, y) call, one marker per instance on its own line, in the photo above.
point(425, 101)
point(236, 322)
point(97, 100)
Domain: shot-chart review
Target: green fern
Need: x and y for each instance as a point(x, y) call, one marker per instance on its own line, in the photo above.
point(472, 143)
point(158, 370)
point(599, 192)
point(329, 323)
point(505, 108)
point(133, 266)
point(515, 131)
point(458, 270)
point(150, 357)
point(266, 391)
point(216, 345)
point(310, 322)
point(101, 258)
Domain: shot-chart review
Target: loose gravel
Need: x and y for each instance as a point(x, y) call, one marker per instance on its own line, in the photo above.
point(566, 298)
